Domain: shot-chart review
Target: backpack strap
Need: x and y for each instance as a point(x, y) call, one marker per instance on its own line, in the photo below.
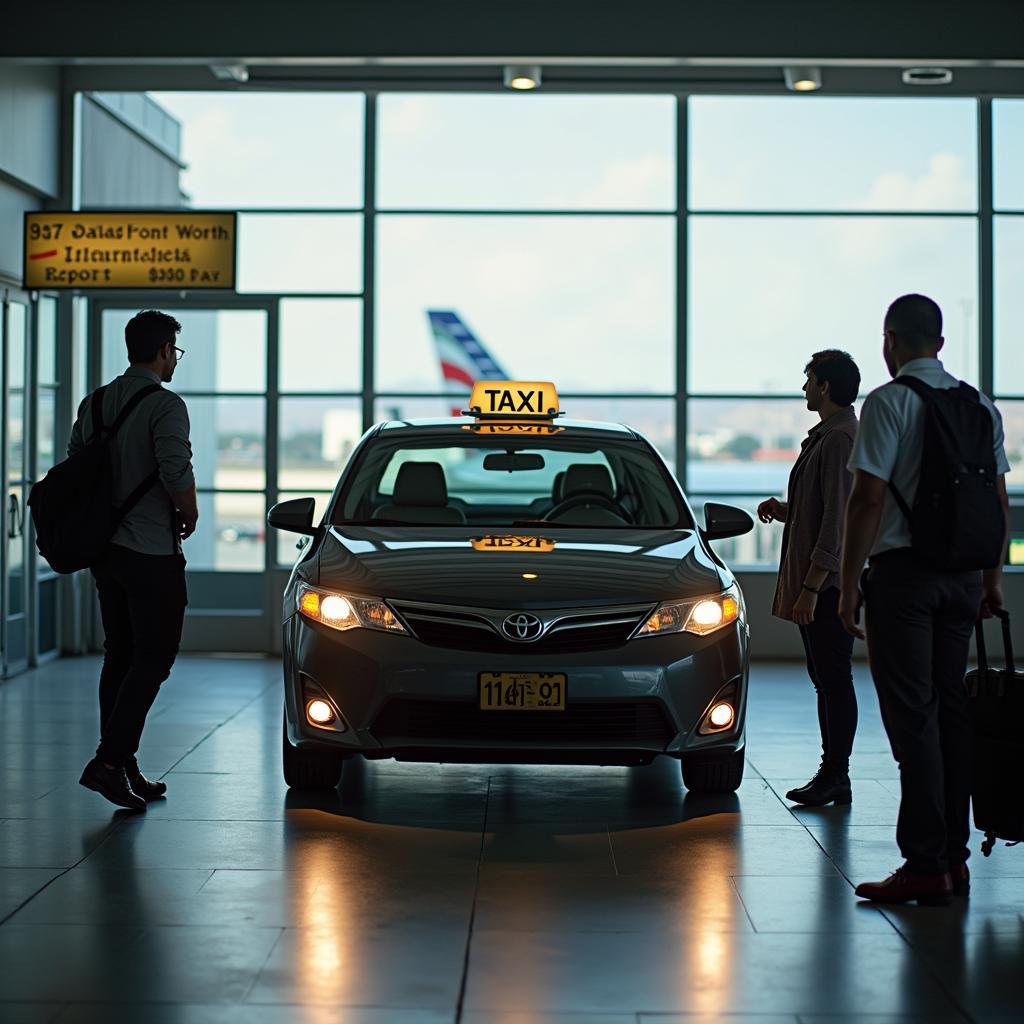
point(97, 412)
point(926, 392)
point(135, 497)
point(918, 386)
point(132, 402)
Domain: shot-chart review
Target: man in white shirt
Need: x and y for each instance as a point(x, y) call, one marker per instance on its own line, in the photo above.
point(918, 619)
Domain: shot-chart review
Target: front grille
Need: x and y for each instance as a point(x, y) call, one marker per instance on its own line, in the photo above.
point(405, 721)
point(465, 631)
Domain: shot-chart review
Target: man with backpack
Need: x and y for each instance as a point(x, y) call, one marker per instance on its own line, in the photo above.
point(929, 511)
point(140, 574)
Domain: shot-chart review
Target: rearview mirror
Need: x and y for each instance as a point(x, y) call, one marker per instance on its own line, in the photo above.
point(723, 521)
point(296, 516)
point(513, 462)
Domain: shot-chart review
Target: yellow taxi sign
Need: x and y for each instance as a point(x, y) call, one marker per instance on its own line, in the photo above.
point(513, 428)
point(183, 250)
point(512, 543)
point(514, 399)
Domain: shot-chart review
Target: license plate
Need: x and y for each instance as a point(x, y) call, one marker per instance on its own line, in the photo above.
point(522, 691)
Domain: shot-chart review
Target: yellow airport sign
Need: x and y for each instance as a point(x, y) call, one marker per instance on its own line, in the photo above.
point(515, 399)
point(119, 249)
point(511, 543)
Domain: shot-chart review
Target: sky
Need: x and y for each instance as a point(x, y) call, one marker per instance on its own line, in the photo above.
point(590, 301)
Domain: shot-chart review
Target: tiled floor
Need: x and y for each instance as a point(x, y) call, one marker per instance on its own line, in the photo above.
point(428, 893)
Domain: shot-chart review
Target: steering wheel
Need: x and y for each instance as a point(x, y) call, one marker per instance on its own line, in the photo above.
point(588, 497)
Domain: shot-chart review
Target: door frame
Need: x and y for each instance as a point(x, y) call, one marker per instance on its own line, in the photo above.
point(224, 628)
point(23, 621)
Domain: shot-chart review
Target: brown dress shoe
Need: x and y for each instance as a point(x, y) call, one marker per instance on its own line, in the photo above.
point(902, 886)
point(961, 880)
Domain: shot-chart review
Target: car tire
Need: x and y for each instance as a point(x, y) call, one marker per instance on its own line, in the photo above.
point(713, 773)
point(310, 769)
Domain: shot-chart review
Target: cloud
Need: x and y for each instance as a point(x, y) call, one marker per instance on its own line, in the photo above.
point(944, 186)
point(409, 118)
point(644, 182)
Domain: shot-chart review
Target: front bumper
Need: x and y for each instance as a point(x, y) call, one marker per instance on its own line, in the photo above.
point(404, 698)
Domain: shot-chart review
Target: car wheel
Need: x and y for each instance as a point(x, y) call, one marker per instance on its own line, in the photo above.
point(310, 769)
point(713, 773)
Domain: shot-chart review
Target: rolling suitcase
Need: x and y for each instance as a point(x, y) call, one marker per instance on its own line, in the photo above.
point(997, 711)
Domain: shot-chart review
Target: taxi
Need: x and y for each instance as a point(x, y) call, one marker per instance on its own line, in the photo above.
point(511, 585)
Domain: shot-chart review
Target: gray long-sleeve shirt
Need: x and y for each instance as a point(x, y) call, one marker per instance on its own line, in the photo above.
point(154, 436)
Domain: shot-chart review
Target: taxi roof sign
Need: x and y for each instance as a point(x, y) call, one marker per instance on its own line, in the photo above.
point(514, 400)
point(508, 542)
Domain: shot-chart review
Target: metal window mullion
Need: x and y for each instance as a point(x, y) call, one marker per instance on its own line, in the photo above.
point(682, 285)
point(986, 269)
point(271, 415)
point(369, 255)
point(611, 396)
point(900, 214)
point(441, 211)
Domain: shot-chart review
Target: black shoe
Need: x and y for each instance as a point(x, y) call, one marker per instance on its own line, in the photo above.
point(142, 786)
point(829, 785)
point(111, 783)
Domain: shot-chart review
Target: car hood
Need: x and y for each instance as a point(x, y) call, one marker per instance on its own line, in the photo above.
point(462, 566)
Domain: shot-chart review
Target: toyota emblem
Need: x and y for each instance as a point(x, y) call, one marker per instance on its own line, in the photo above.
point(522, 626)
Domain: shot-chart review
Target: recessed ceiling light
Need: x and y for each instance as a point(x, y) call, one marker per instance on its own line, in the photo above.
point(802, 79)
point(522, 77)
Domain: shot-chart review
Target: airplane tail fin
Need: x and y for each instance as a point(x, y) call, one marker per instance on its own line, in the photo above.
point(463, 359)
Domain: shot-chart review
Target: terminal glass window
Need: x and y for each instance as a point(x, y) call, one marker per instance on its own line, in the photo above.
point(265, 149)
point(1008, 154)
point(222, 378)
point(768, 292)
point(518, 152)
point(807, 216)
point(542, 234)
point(585, 301)
point(832, 153)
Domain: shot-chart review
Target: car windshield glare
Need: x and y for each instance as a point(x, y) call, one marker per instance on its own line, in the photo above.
point(473, 481)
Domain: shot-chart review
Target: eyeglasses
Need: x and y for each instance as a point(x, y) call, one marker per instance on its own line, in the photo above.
point(180, 352)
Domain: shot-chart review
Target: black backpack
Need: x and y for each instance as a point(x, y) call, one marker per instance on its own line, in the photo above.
point(73, 507)
point(957, 521)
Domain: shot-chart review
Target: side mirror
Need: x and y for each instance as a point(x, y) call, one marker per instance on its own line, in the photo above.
point(296, 516)
point(723, 521)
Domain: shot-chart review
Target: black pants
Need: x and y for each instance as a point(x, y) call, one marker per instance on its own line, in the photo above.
point(829, 650)
point(142, 603)
point(919, 623)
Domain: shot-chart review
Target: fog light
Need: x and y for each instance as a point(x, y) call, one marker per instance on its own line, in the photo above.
point(319, 712)
point(722, 716)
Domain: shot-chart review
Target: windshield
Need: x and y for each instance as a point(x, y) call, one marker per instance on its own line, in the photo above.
point(512, 482)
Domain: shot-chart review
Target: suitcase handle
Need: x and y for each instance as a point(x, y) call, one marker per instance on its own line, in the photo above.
point(1004, 618)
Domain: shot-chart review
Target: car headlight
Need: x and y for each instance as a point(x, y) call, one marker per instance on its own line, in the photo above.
point(701, 615)
point(344, 611)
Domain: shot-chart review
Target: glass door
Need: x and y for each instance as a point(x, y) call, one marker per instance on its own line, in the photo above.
point(223, 379)
point(15, 603)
